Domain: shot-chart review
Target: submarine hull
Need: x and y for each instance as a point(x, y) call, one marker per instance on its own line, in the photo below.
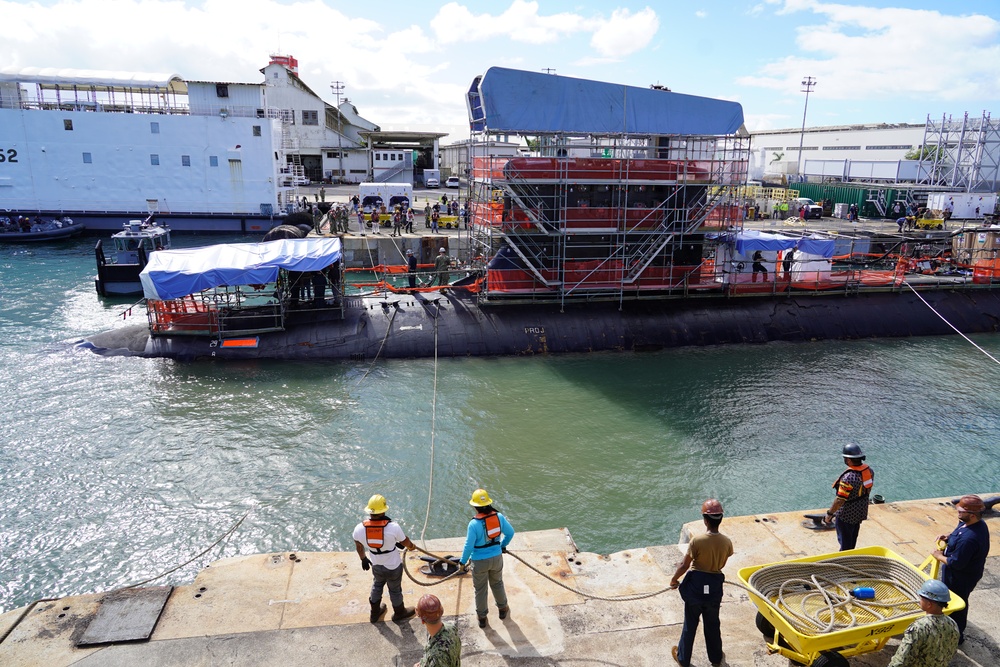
point(451, 325)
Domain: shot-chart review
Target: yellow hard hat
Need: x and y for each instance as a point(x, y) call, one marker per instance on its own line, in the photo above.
point(377, 505)
point(480, 498)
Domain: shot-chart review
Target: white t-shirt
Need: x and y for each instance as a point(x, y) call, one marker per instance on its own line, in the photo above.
point(391, 534)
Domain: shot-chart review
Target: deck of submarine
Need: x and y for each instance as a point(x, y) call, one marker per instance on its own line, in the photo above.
point(312, 608)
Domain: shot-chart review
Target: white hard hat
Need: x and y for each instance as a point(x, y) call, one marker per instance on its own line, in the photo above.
point(409, 252)
point(442, 250)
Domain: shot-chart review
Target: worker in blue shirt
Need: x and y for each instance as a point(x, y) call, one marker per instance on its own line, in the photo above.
point(964, 557)
point(486, 541)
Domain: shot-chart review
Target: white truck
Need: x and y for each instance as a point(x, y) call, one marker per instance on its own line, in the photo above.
point(390, 194)
point(432, 178)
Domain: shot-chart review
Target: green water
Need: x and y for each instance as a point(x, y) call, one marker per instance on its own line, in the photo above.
point(116, 469)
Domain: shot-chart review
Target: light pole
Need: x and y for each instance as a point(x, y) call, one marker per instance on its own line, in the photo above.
point(807, 86)
point(338, 88)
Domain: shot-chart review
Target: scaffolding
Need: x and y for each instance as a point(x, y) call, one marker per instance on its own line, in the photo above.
point(602, 217)
point(962, 155)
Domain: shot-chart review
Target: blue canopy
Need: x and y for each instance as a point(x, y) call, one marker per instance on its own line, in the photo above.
point(171, 274)
point(518, 102)
point(749, 241)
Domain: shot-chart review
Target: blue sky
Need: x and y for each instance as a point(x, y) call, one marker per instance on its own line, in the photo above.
point(406, 65)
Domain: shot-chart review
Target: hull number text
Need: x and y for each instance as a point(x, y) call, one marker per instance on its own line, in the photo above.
point(534, 330)
point(8, 155)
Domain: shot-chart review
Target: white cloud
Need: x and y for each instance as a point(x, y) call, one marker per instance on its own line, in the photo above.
point(520, 22)
point(879, 53)
point(701, 14)
point(625, 33)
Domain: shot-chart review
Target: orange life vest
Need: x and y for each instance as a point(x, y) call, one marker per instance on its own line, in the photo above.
point(491, 524)
point(375, 535)
point(867, 479)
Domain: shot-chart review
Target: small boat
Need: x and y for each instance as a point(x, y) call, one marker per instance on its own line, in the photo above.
point(118, 270)
point(22, 229)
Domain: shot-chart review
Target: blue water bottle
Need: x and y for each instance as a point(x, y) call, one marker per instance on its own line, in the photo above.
point(863, 593)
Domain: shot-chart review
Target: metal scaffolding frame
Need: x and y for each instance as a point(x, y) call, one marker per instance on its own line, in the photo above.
point(603, 217)
point(961, 154)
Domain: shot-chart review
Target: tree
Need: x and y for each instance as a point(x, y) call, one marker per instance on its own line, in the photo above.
point(928, 153)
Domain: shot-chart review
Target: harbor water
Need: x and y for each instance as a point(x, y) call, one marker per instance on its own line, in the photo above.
point(113, 470)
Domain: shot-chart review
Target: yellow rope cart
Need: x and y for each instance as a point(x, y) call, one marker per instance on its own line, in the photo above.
point(809, 613)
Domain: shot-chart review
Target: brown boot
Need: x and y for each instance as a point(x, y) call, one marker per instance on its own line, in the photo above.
point(402, 612)
point(378, 610)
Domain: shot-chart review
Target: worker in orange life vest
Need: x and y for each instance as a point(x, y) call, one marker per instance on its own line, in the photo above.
point(486, 541)
point(380, 537)
point(850, 506)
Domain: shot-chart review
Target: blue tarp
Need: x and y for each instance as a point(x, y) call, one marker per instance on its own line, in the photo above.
point(750, 241)
point(172, 274)
point(518, 102)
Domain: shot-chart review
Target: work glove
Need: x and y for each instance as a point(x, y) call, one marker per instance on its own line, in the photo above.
point(366, 564)
point(465, 567)
point(504, 550)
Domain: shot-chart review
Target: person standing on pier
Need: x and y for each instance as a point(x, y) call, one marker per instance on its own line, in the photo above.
point(701, 589)
point(964, 557)
point(850, 506)
point(411, 269)
point(486, 541)
point(444, 646)
point(381, 537)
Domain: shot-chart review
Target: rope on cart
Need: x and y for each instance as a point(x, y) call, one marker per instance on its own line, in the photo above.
point(816, 597)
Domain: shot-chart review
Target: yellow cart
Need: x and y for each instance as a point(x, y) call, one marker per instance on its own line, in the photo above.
point(808, 614)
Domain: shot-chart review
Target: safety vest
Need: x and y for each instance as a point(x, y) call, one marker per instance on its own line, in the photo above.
point(375, 535)
point(491, 524)
point(867, 480)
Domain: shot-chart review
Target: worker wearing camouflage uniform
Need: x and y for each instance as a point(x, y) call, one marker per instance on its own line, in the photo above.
point(444, 646)
point(930, 641)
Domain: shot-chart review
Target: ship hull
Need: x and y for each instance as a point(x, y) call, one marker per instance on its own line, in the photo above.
point(414, 326)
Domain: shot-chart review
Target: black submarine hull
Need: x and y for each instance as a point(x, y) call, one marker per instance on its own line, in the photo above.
point(450, 324)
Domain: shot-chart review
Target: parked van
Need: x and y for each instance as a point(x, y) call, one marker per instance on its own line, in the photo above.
point(390, 194)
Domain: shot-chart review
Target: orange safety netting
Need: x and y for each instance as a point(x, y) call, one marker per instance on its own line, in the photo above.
point(473, 288)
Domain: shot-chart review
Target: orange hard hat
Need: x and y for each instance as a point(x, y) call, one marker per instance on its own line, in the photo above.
point(972, 503)
point(712, 508)
point(429, 608)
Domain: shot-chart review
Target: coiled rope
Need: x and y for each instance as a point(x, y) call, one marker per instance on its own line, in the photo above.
point(816, 597)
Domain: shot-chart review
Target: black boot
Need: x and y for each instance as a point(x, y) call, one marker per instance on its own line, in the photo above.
point(402, 612)
point(378, 610)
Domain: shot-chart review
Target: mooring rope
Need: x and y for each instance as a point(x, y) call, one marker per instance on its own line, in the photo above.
point(225, 535)
point(430, 483)
point(969, 340)
point(388, 330)
point(615, 598)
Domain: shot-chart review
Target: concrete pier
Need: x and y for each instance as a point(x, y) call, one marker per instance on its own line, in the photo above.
point(312, 608)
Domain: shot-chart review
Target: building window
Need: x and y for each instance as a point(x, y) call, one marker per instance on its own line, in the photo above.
point(213, 160)
point(841, 148)
point(310, 117)
point(154, 128)
point(154, 159)
point(87, 159)
point(67, 124)
point(185, 160)
point(221, 90)
point(902, 147)
point(805, 148)
point(378, 156)
point(256, 130)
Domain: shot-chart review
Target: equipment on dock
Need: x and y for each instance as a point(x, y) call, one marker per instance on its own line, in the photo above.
point(817, 611)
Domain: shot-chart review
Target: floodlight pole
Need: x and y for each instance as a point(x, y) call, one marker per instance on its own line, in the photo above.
point(808, 83)
point(338, 88)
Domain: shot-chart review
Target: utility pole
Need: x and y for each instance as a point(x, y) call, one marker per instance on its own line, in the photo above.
point(807, 85)
point(338, 88)
point(548, 70)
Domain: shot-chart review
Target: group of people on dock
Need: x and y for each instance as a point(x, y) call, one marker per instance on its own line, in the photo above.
point(378, 539)
point(930, 641)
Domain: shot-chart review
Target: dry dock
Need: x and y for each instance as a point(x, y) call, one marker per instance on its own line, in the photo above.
point(312, 608)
